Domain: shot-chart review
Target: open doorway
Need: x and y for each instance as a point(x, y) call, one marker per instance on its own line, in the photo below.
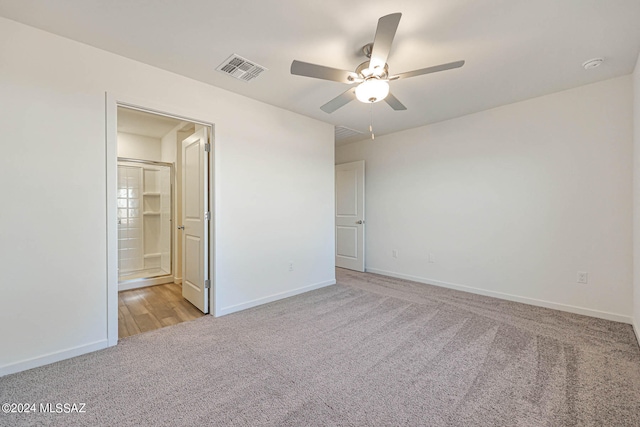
point(163, 218)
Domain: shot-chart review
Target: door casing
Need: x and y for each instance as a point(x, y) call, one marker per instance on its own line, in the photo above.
point(112, 102)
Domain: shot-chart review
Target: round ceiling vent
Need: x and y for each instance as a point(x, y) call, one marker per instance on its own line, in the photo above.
point(592, 63)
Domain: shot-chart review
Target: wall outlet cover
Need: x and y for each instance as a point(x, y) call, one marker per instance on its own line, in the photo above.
point(583, 277)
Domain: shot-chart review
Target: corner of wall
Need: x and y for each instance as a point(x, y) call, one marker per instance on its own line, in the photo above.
point(492, 160)
point(636, 198)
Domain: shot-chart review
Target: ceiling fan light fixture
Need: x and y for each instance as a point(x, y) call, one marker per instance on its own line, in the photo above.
point(372, 90)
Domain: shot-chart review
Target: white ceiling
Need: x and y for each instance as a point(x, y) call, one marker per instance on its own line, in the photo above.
point(514, 49)
point(145, 124)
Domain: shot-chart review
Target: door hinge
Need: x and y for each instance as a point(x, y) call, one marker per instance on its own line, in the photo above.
point(207, 215)
point(207, 147)
point(207, 284)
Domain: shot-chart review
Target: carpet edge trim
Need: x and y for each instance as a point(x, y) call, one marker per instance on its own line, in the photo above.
point(509, 297)
point(49, 358)
point(275, 297)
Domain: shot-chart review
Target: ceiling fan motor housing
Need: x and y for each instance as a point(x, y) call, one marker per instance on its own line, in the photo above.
point(365, 72)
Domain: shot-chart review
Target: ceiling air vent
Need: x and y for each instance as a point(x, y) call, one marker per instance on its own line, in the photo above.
point(343, 132)
point(241, 68)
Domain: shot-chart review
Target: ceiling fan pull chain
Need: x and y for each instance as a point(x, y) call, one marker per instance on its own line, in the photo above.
point(371, 122)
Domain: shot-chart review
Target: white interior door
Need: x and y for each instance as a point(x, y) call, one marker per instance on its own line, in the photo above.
point(195, 220)
point(350, 215)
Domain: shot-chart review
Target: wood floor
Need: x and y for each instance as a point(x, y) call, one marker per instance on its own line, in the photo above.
point(153, 307)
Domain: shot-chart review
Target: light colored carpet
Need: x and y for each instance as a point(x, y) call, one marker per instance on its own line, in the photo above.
point(369, 351)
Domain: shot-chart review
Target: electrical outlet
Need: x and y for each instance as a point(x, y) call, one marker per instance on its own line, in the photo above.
point(394, 253)
point(583, 277)
point(290, 265)
point(431, 258)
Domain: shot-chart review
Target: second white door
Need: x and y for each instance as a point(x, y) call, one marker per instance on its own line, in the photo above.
point(195, 220)
point(350, 224)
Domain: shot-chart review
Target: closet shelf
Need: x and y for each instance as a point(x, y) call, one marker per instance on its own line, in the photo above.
point(150, 213)
point(156, 255)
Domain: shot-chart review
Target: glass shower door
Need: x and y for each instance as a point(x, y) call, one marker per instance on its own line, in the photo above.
point(145, 248)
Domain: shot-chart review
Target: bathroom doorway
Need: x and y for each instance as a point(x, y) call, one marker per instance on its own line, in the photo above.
point(157, 155)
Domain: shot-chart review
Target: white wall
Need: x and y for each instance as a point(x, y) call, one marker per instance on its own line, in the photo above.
point(168, 145)
point(273, 195)
point(512, 201)
point(141, 147)
point(636, 198)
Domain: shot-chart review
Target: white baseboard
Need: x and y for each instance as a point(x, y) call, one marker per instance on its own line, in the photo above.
point(143, 283)
point(271, 298)
point(177, 280)
point(52, 357)
point(531, 301)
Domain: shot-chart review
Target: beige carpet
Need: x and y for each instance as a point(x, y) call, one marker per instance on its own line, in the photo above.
point(370, 351)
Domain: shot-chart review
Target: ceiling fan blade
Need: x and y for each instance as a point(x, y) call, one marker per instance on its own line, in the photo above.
point(394, 103)
point(428, 70)
point(386, 31)
point(339, 101)
point(306, 69)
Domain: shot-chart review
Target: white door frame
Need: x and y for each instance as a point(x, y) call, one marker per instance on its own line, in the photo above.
point(112, 102)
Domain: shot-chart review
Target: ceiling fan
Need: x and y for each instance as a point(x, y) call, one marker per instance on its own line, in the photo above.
point(372, 76)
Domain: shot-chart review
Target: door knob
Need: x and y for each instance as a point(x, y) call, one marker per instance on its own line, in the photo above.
point(181, 227)
point(360, 222)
